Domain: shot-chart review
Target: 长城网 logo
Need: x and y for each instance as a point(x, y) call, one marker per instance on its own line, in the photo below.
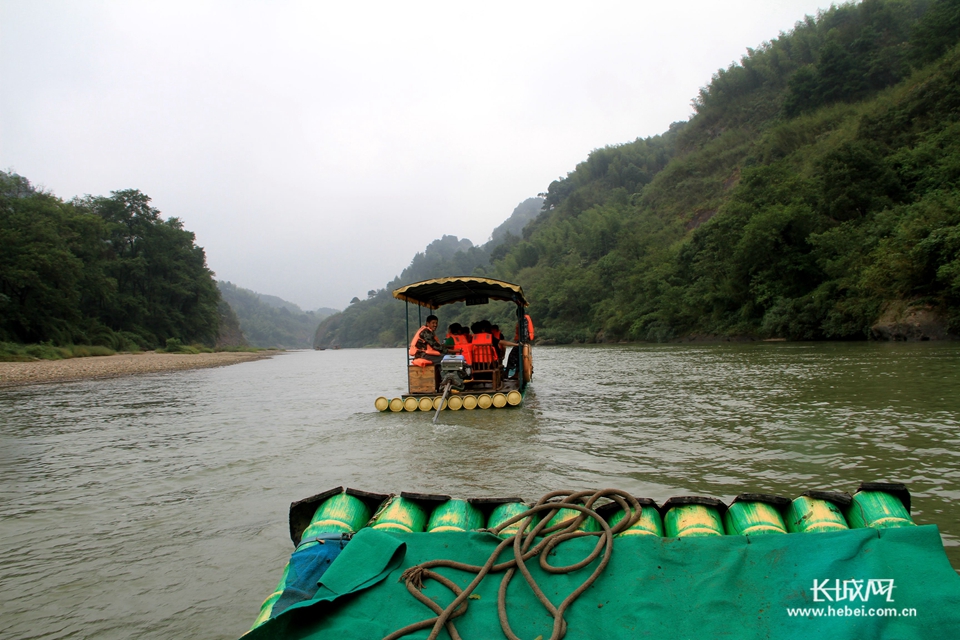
point(853, 590)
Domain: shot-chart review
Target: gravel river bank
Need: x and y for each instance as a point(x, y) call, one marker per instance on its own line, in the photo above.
point(15, 374)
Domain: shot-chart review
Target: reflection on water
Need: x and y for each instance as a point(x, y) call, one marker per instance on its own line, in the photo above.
point(155, 506)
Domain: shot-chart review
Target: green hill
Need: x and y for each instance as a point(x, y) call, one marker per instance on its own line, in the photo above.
point(269, 321)
point(812, 195)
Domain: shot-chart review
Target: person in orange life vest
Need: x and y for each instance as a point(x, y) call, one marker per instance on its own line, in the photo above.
point(481, 332)
point(529, 332)
point(484, 335)
point(484, 352)
point(514, 358)
point(425, 344)
point(452, 330)
point(461, 343)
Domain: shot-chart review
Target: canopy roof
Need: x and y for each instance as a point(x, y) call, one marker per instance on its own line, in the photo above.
point(440, 291)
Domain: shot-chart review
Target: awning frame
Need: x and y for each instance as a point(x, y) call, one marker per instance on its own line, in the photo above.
point(437, 292)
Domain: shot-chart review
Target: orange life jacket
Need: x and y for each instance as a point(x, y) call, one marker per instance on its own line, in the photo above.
point(516, 336)
point(483, 349)
point(466, 349)
point(430, 351)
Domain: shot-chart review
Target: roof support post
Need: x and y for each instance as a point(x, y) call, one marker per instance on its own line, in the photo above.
point(521, 335)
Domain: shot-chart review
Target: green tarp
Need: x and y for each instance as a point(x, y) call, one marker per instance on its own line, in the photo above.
point(703, 588)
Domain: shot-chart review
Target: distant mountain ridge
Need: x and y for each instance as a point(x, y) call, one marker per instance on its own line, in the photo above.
point(378, 321)
point(277, 302)
point(271, 321)
point(521, 216)
point(280, 303)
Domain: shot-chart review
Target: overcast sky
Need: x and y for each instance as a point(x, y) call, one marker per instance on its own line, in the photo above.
point(314, 147)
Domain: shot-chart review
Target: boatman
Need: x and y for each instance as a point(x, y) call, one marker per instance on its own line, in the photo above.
point(425, 344)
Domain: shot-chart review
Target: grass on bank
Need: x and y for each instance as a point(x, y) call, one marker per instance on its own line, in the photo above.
point(174, 345)
point(14, 352)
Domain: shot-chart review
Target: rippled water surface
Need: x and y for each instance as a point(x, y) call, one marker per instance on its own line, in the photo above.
point(156, 506)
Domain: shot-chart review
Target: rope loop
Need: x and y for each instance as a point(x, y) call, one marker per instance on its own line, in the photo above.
point(525, 546)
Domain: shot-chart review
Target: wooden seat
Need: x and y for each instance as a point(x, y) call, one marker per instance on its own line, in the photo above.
point(423, 379)
point(486, 363)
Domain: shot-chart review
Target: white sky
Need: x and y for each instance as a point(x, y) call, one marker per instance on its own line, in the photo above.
point(314, 147)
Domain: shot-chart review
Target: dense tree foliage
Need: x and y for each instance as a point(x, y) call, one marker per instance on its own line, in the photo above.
point(816, 184)
point(99, 270)
point(268, 321)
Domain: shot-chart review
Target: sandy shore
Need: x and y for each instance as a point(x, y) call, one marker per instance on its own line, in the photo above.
point(13, 374)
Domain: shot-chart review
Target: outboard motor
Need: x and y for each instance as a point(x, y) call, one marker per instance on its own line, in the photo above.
point(454, 369)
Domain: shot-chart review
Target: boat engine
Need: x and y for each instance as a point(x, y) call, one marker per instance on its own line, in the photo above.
point(454, 369)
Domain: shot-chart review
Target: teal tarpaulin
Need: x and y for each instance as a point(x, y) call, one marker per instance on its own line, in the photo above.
point(858, 585)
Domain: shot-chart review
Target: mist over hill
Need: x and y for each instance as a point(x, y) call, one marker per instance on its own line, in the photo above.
point(378, 320)
point(269, 321)
point(280, 303)
point(524, 213)
point(111, 271)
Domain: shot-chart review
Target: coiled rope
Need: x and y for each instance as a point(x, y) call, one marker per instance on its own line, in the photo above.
point(523, 549)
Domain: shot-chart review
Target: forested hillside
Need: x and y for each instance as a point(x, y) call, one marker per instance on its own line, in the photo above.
point(269, 321)
point(812, 195)
point(814, 191)
point(99, 270)
point(521, 216)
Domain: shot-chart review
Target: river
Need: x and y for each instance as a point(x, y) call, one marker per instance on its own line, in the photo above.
point(155, 506)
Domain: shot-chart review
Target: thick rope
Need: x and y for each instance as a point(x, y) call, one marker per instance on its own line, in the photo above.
point(524, 548)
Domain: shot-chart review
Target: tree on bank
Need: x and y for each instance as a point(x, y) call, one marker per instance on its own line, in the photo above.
point(99, 270)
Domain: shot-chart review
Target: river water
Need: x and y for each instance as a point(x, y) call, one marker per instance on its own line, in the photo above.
point(156, 506)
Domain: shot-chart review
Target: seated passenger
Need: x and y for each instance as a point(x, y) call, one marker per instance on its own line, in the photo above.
point(461, 343)
point(484, 347)
point(452, 330)
point(481, 332)
point(425, 345)
point(528, 334)
point(498, 341)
